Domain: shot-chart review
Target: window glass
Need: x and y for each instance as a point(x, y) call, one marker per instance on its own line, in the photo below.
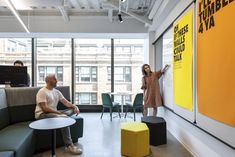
point(12, 49)
point(85, 98)
point(92, 57)
point(54, 57)
point(128, 59)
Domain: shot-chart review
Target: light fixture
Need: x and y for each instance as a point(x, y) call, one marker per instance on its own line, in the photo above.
point(14, 11)
point(123, 0)
point(120, 18)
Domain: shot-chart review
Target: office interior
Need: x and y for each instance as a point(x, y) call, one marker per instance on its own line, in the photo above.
point(99, 46)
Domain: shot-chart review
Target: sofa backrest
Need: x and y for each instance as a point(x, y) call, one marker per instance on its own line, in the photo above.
point(4, 116)
point(22, 102)
point(65, 90)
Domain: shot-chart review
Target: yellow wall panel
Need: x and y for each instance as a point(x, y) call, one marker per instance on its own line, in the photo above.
point(182, 61)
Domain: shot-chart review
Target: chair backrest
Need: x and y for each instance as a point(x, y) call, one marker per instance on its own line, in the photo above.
point(106, 100)
point(138, 100)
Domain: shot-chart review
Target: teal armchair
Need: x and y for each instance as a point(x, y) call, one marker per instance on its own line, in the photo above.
point(107, 103)
point(138, 103)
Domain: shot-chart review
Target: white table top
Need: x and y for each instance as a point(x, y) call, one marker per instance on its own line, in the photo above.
point(52, 123)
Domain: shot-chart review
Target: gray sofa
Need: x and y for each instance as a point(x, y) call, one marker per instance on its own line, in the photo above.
point(17, 107)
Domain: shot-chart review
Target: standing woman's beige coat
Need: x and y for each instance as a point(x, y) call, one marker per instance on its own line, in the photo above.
point(150, 85)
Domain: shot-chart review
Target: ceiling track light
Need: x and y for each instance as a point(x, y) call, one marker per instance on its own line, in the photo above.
point(14, 11)
point(120, 18)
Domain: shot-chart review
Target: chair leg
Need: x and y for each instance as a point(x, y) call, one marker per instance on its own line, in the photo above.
point(110, 110)
point(134, 113)
point(102, 113)
point(126, 110)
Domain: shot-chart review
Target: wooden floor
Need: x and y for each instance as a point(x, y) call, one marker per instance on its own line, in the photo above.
point(102, 139)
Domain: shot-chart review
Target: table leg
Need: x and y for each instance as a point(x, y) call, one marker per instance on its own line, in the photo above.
point(53, 142)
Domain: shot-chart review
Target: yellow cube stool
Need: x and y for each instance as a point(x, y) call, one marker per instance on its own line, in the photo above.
point(134, 139)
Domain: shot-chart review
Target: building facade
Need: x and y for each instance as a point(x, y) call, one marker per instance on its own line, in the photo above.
point(92, 71)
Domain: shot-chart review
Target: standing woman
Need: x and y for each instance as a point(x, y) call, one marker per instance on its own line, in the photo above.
point(150, 85)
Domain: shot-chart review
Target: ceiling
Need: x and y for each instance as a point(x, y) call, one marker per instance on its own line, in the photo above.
point(138, 9)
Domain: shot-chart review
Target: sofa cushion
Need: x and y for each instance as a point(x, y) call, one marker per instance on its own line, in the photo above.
point(7, 154)
point(18, 138)
point(77, 130)
point(4, 116)
point(21, 113)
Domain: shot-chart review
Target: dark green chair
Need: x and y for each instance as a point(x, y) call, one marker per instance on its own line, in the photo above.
point(107, 103)
point(138, 103)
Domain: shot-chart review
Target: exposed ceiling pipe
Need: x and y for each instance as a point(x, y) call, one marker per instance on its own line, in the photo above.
point(15, 12)
point(155, 8)
point(162, 7)
point(75, 3)
point(134, 15)
point(63, 11)
point(127, 5)
point(139, 18)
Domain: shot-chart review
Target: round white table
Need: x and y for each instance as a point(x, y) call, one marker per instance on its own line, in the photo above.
point(123, 101)
point(52, 124)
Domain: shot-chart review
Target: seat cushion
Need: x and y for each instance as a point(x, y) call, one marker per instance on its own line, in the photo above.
point(157, 129)
point(129, 104)
point(116, 104)
point(18, 138)
point(4, 117)
point(134, 139)
point(7, 154)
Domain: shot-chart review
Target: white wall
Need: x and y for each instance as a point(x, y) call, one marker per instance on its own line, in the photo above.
point(197, 141)
point(150, 50)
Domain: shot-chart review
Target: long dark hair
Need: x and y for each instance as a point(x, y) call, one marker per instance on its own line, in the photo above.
point(143, 70)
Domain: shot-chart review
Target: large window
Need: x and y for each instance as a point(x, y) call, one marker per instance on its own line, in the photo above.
point(54, 57)
point(121, 49)
point(128, 59)
point(92, 69)
point(121, 74)
point(86, 74)
point(12, 49)
point(86, 98)
point(93, 56)
point(43, 71)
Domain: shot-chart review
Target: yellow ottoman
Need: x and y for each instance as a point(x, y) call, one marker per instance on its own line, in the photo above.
point(134, 139)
